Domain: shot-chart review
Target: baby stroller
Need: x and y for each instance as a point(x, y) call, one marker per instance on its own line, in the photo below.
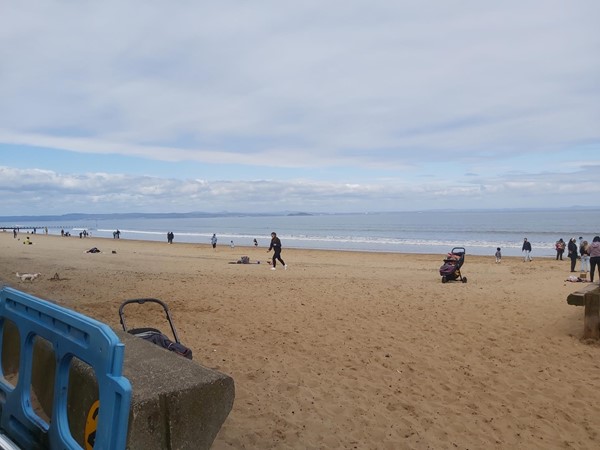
point(450, 270)
point(152, 334)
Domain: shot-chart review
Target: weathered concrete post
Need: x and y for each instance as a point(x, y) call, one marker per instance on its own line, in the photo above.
point(591, 320)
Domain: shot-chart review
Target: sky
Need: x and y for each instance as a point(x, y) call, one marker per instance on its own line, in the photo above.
point(316, 106)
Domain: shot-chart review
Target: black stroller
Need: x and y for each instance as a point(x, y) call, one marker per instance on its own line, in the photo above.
point(450, 270)
point(152, 334)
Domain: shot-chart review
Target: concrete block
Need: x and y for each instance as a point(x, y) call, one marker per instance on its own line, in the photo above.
point(176, 403)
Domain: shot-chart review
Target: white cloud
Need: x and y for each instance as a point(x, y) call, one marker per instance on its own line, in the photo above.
point(46, 192)
point(432, 91)
point(323, 80)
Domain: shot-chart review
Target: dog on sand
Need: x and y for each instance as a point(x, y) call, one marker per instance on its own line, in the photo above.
point(28, 276)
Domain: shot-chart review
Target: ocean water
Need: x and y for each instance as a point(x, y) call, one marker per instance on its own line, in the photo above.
point(433, 232)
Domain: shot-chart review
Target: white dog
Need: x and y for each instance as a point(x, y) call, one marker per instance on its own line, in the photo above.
point(28, 276)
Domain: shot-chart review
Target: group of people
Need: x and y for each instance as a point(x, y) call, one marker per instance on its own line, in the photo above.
point(33, 231)
point(588, 254)
point(275, 245)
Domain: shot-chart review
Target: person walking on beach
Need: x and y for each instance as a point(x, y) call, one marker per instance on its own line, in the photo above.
point(498, 255)
point(584, 252)
point(572, 249)
point(276, 247)
point(527, 249)
point(560, 249)
point(213, 241)
point(594, 257)
point(170, 237)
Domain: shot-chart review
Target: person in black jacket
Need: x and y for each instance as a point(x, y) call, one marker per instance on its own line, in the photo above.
point(276, 247)
point(572, 249)
point(527, 249)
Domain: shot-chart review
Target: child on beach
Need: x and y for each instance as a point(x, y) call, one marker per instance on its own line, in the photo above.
point(498, 255)
point(584, 251)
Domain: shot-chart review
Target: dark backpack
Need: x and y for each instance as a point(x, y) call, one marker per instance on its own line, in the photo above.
point(156, 337)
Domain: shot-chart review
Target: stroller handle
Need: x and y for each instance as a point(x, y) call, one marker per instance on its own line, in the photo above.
point(141, 301)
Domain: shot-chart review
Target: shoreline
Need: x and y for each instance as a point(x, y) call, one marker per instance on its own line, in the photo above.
point(350, 349)
point(508, 252)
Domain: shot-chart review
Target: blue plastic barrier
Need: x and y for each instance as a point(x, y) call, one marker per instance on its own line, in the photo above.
point(71, 335)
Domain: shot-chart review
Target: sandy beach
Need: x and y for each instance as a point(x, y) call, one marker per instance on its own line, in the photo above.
point(350, 350)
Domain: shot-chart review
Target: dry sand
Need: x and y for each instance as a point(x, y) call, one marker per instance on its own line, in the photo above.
point(348, 349)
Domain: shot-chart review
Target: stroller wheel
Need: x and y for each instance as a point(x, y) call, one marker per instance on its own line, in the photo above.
point(444, 279)
point(464, 279)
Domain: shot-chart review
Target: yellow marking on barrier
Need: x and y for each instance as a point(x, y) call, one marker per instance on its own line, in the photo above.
point(91, 424)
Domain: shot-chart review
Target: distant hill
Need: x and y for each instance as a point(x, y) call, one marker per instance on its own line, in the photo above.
point(8, 220)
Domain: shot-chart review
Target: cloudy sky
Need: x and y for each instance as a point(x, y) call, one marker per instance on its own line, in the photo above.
point(163, 106)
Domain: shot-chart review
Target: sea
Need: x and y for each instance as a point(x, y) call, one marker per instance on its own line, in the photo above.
point(431, 232)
